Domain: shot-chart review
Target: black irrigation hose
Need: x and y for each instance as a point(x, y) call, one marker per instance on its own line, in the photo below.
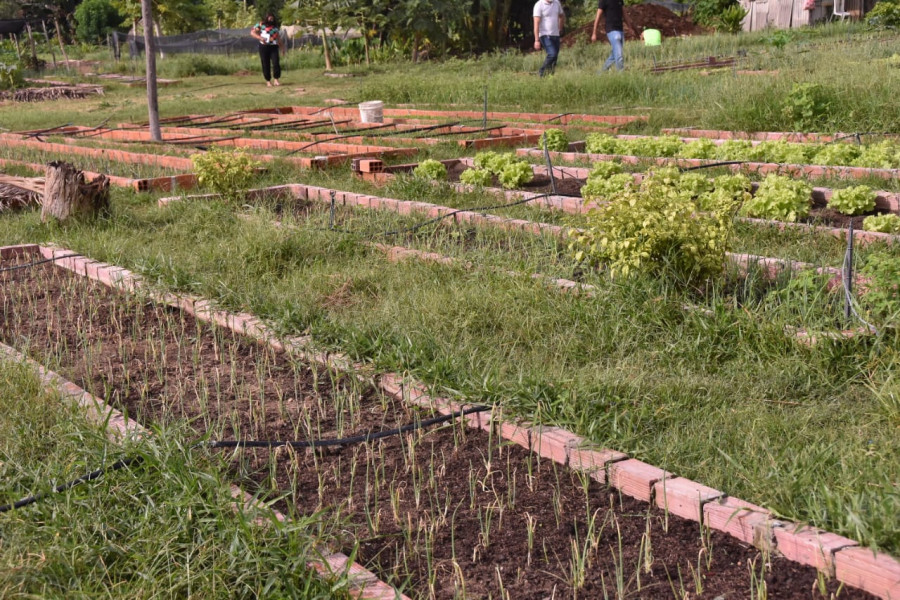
point(36, 263)
point(119, 464)
point(359, 439)
point(715, 164)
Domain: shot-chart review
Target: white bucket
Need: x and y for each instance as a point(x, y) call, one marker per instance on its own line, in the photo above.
point(371, 112)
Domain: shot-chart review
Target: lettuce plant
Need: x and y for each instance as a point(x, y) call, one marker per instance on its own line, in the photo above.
point(480, 177)
point(889, 223)
point(433, 170)
point(515, 174)
point(556, 139)
point(780, 198)
point(854, 200)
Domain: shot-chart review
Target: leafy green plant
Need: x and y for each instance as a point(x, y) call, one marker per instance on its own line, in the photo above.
point(695, 184)
point(883, 155)
point(888, 223)
point(733, 184)
point(11, 76)
point(806, 106)
point(699, 148)
point(780, 198)
point(480, 177)
point(731, 19)
point(602, 143)
point(836, 154)
point(602, 189)
point(665, 145)
point(494, 162)
point(556, 140)
point(515, 174)
point(733, 150)
point(882, 293)
point(226, 171)
point(604, 170)
point(656, 228)
point(885, 14)
point(707, 12)
point(431, 169)
point(854, 200)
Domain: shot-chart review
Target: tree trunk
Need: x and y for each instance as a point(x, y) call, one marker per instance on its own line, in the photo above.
point(325, 48)
point(62, 47)
point(150, 56)
point(49, 45)
point(67, 195)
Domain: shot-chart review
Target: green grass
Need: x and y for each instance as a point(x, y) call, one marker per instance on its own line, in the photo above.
point(163, 527)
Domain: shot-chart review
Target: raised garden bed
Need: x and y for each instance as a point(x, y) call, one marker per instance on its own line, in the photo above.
point(462, 509)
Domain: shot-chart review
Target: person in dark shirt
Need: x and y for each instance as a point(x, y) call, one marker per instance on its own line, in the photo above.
point(270, 45)
point(615, 32)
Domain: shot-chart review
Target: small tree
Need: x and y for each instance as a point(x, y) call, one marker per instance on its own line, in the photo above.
point(95, 19)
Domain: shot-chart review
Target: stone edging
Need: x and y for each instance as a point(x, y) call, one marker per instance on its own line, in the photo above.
point(836, 556)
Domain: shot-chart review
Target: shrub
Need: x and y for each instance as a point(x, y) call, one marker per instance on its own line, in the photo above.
point(731, 19)
point(702, 148)
point(656, 228)
point(602, 143)
point(854, 200)
point(516, 174)
point(95, 19)
point(226, 172)
point(836, 154)
point(605, 170)
point(707, 12)
point(480, 177)
point(889, 223)
point(883, 290)
point(780, 198)
point(602, 189)
point(885, 14)
point(556, 139)
point(431, 169)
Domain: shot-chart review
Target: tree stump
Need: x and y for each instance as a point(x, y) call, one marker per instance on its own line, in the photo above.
point(66, 194)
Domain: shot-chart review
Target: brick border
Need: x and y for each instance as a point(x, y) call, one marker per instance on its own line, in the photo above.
point(878, 574)
point(363, 583)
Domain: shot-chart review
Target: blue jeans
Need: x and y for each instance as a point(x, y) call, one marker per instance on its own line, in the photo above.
point(616, 40)
point(551, 46)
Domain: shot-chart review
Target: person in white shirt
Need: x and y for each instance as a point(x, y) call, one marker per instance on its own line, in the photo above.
point(549, 20)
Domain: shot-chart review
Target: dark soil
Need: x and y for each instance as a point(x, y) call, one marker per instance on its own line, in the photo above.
point(637, 18)
point(540, 183)
point(444, 513)
point(821, 215)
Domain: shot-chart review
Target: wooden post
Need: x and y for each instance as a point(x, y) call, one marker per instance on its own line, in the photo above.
point(62, 47)
point(150, 57)
point(66, 194)
point(49, 45)
point(18, 50)
point(34, 57)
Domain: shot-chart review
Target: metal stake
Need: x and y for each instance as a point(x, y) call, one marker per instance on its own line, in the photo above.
point(848, 273)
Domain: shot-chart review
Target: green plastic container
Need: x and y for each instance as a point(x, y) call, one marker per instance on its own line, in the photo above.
point(652, 37)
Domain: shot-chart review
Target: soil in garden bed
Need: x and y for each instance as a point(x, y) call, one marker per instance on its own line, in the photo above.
point(822, 215)
point(539, 185)
point(451, 512)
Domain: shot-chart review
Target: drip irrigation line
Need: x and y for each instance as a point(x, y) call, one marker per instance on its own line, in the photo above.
point(36, 263)
point(119, 464)
point(559, 116)
point(330, 107)
point(44, 131)
point(723, 163)
point(359, 439)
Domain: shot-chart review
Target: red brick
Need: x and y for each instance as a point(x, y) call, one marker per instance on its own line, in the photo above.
point(514, 432)
point(878, 574)
point(684, 497)
point(594, 462)
point(635, 478)
point(554, 442)
point(810, 546)
point(747, 522)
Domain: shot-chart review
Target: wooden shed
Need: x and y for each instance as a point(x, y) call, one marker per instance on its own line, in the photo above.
point(785, 14)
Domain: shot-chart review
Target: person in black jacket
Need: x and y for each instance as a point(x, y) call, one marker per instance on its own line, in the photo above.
point(615, 32)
